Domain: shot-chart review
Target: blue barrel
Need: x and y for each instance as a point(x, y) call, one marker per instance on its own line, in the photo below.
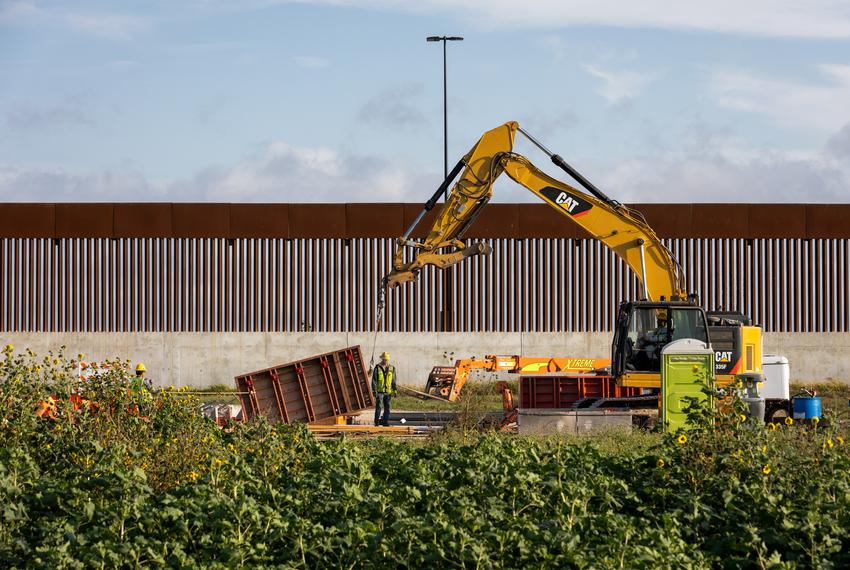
point(806, 408)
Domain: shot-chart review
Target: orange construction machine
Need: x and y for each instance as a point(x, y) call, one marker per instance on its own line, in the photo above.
point(447, 381)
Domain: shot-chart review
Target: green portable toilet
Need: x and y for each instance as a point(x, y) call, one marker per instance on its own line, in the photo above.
point(687, 367)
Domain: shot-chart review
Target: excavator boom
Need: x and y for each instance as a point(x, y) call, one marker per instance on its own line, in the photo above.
point(623, 230)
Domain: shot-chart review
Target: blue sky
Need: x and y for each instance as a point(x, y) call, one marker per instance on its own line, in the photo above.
point(264, 100)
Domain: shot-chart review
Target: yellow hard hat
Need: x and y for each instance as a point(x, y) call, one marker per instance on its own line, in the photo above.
point(141, 368)
point(385, 356)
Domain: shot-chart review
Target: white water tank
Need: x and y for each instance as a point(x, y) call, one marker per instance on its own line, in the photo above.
point(777, 377)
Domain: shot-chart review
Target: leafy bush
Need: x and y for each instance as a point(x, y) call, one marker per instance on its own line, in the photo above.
point(130, 481)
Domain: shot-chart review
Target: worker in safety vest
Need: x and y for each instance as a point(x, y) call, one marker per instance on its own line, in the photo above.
point(384, 388)
point(141, 385)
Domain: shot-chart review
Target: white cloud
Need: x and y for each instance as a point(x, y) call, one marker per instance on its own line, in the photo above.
point(709, 165)
point(733, 175)
point(682, 177)
point(789, 18)
point(715, 179)
point(108, 26)
point(838, 145)
point(619, 86)
point(112, 26)
point(822, 19)
point(813, 105)
point(18, 11)
point(311, 61)
point(286, 173)
point(52, 184)
point(281, 172)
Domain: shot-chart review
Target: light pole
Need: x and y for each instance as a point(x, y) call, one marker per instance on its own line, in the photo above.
point(445, 39)
point(448, 274)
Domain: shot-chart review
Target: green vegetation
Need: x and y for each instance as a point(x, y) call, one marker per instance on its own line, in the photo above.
point(488, 403)
point(414, 404)
point(480, 396)
point(216, 388)
point(131, 480)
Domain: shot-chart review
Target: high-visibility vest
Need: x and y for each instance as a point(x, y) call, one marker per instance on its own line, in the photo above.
point(137, 385)
point(385, 381)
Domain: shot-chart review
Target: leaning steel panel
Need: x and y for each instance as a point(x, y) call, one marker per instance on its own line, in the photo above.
point(308, 390)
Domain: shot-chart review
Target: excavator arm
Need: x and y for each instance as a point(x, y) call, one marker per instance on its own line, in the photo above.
point(623, 230)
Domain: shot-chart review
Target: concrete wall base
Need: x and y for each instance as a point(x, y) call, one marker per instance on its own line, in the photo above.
point(205, 359)
point(579, 422)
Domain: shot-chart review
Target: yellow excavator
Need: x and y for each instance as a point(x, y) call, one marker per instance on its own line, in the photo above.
point(667, 311)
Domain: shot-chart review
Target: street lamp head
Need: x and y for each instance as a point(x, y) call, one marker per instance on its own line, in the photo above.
point(445, 40)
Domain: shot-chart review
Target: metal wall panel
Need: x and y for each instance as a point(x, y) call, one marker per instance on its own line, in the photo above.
point(307, 390)
point(331, 221)
point(27, 220)
point(277, 284)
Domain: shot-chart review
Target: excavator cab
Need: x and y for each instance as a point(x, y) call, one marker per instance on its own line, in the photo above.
point(644, 328)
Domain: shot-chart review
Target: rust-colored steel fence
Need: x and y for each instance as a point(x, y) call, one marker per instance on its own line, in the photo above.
point(167, 284)
point(542, 275)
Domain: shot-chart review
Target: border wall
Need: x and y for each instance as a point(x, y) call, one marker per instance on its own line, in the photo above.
point(251, 285)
